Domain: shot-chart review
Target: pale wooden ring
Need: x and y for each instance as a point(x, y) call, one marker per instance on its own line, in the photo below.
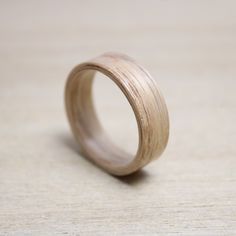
point(144, 97)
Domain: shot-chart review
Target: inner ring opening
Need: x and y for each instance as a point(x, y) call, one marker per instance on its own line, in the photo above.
point(97, 142)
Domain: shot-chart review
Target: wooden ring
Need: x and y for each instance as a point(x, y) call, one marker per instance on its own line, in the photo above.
point(145, 99)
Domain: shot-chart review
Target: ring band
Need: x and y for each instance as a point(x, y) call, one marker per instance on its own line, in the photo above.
point(145, 99)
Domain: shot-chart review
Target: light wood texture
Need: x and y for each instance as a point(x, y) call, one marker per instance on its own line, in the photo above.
point(47, 188)
point(148, 105)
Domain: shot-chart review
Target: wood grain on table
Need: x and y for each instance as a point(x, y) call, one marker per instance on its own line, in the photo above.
point(47, 188)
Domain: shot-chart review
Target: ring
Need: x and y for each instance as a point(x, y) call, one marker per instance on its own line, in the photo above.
point(145, 99)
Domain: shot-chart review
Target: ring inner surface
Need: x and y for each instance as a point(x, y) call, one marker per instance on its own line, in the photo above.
point(95, 142)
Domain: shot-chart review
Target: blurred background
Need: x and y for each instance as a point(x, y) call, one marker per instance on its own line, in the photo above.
point(189, 47)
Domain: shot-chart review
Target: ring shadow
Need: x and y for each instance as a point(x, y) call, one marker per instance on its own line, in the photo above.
point(135, 178)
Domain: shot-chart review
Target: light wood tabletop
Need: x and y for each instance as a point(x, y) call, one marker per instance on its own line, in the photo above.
point(48, 188)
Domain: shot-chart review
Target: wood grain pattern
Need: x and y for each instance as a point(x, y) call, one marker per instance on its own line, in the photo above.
point(148, 105)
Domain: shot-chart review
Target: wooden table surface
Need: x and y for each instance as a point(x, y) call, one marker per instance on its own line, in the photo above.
point(47, 188)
